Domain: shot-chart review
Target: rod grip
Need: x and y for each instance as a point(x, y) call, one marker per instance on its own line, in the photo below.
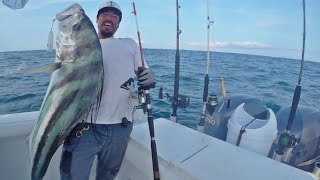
point(206, 88)
point(156, 174)
point(294, 106)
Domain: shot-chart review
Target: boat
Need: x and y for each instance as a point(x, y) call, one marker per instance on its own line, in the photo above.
point(196, 156)
point(185, 153)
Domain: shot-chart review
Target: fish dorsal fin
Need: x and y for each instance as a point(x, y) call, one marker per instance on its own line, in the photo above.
point(45, 68)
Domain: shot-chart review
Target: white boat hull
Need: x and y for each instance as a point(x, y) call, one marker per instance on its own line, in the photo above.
point(183, 153)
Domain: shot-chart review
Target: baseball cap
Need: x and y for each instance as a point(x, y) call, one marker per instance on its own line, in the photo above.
point(110, 5)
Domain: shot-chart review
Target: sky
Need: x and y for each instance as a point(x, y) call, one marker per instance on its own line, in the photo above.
point(261, 27)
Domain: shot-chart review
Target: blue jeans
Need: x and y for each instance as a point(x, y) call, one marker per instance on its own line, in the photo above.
point(108, 142)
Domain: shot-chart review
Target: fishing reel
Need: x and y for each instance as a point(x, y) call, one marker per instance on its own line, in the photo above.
point(182, 101)
point(213, 100)
point(141, 97)
point(286, 143)
point(212, 103)
point(143, 92)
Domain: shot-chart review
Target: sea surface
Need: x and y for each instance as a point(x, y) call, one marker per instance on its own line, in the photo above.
point(272, 79)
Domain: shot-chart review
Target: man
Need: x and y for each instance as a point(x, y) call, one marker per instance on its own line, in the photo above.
point(108, 136)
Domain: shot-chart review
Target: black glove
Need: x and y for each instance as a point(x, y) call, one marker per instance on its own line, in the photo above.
point(146, 78)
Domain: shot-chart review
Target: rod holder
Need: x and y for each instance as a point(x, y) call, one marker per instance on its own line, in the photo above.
point(173, 118)
point(316, 170)
point(200, 128)
point(287, 155)
point(160, 96)
point(278, 155)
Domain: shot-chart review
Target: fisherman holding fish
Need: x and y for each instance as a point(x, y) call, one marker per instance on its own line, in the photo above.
point(107, 135)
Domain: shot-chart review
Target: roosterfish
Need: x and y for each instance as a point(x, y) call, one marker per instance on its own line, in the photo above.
point(75, 87)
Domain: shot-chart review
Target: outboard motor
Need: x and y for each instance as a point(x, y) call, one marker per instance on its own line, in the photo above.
point(252, 126)
point(218, 114)
point(305, 151)
point(242, 120)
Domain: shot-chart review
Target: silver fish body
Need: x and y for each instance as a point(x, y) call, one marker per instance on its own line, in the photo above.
point(75, 87)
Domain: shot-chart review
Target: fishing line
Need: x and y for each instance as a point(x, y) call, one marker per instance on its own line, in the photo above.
point(94, 111)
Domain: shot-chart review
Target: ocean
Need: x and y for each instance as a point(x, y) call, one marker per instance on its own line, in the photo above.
point(272, 79)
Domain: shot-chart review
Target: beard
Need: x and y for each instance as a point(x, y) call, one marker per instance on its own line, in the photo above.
point(105, 31)
point(107, 34)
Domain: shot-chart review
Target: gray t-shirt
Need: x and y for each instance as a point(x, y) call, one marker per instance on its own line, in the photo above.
point(121, 58)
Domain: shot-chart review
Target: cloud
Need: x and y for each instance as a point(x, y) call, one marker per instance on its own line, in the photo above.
point(234, 44)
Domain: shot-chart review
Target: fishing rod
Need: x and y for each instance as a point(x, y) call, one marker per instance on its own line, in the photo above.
point(178, 100)
point(200, 125)
point(286, 139)
point(144, 98)
point(175, 100)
